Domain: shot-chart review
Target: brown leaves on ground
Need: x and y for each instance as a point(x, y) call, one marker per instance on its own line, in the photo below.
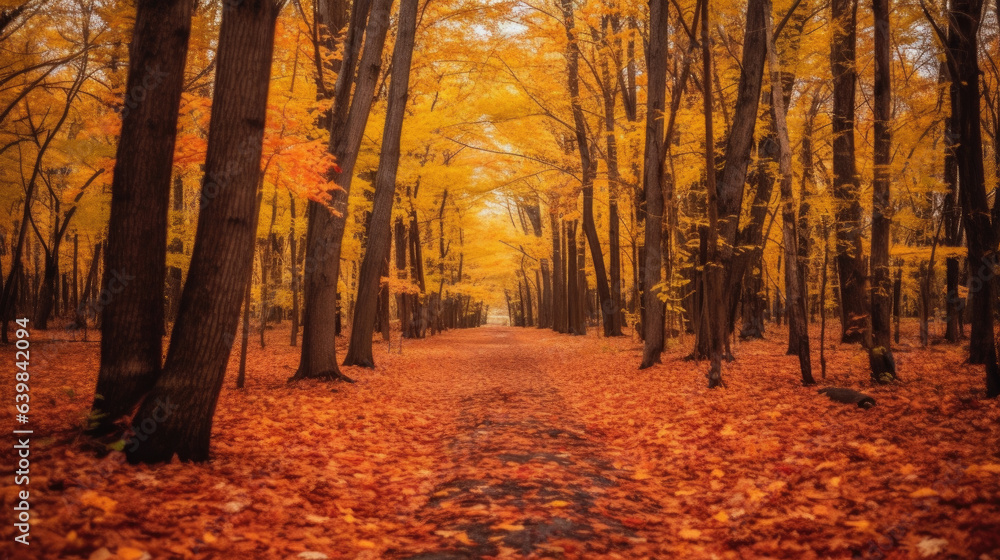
point(510, 443)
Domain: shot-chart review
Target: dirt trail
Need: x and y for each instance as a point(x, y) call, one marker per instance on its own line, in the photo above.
point(523, 456)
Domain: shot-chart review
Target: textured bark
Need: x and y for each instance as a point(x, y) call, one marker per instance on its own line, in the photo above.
point(560, 321)
point(963, 22)
point(573, 310)
point(952, 236)
point(737, 155)
point(851, 262)
point(359, 353)
point(293, 257)
point(614, 185)
point(327, 222)
point(656, 67)
point(135, 260)
point(881, 284)
point(182, 402)
point(715, 307)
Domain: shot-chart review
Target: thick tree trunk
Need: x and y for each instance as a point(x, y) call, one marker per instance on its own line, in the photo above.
point(359, 353)
point(851, 265)
point(182, 402)
point(135, 260)
point(656, 66)
point(327, 222)
point(963, 23)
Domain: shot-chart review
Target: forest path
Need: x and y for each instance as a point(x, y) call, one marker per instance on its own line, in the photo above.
point(527, 478)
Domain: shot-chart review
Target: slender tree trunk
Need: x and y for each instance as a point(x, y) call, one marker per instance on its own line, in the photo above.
point(793, 273)
point(241, 375)
point(359, 353)
point(559, 319)
point(182, 402)
point(265, 264)
point(293, 256)
point(715, 307)
point(656, 67)
point(881, 284)
point(589, 167)
point(953, 236)
point(135, 261)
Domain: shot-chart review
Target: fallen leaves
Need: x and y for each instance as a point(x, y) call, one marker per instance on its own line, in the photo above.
point(497, 442)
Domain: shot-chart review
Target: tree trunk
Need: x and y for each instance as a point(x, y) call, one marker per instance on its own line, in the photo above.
point(327, 223)
point(953, 236)
point(293, 257)
point(359, 353)
point(589, 168)
point(656, 66)
point(790, 236)
point(182, 402)
point(963, 23)
point(559, 317)
point(241, 375)
point(737, 153)
point(846, 191)
point(714, 305)
point(135, 260)
point(881, 284)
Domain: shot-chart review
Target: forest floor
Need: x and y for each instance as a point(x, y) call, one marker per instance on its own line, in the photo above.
point(512, 443)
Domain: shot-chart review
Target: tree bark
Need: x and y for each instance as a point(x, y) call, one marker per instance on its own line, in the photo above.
point(559, 317)
point(963, 24)
point(182, 402)
point(656, 67)
point(135, 260)
point(293, 257)
point(854, 312)
point(359, 353)
point(737, 155)
point(793, 273)
point(327, 223)
point(714, 304)
point(589, 168)
point(881, 284)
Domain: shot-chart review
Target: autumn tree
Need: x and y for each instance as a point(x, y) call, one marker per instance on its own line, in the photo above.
point(656, 64)
point(135, 265)
point(222, 257)
point(379, 229)
point(851, 265)
point(328, 222)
